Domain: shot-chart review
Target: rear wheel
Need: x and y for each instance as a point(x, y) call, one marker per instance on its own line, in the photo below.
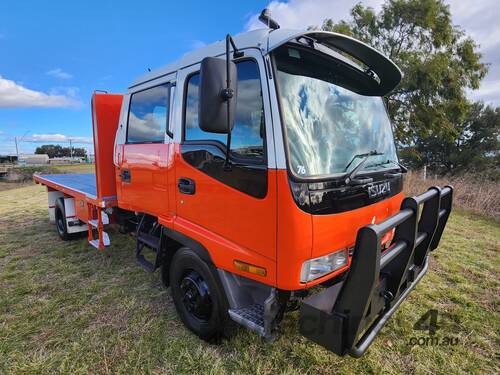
point(198, 296)
point(60, 214)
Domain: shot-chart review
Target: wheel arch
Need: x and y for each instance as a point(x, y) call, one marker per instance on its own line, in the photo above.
point(174, 241)
point(185, 241)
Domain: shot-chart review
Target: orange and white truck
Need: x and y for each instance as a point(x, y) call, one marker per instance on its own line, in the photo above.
point(253, 170)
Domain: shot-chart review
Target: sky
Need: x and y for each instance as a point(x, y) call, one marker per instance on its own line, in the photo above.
point(54, 54)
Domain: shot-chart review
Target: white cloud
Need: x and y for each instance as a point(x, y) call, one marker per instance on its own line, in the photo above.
point(196, 44)
point(59, 73)
point(7, 148)
point(479, 19)
point(488, 92)
point(70, 91)
point(300, 14)
point(58, 138)
point(13, 95)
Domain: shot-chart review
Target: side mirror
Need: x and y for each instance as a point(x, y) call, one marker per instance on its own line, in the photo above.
point(217, 95)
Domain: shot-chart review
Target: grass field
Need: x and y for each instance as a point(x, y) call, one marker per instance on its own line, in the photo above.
point(67, 308)
point(22, 176)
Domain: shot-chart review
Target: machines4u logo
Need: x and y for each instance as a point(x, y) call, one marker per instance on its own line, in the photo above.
point(432, 321)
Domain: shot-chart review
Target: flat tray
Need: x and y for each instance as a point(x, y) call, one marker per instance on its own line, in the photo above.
point(82, 183)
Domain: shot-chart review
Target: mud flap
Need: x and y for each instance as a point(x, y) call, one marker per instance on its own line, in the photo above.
point(347, 317)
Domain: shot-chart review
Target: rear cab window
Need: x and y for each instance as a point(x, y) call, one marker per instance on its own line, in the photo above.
point(148, 115)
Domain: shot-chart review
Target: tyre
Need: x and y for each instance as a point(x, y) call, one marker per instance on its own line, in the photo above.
point(60, 214)
point(199, 297)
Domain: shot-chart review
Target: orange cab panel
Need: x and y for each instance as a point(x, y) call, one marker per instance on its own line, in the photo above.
point(295, 236)
point(338, 231)
point(143, 178)
point(231, 224)
point(302, 236)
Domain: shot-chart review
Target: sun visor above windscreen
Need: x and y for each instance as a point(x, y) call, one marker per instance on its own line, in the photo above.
point(384, 73)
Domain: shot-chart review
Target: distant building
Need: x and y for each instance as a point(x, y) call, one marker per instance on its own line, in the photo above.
point(33, 159)
point(66, 160)
point(7, 162)
point(8, 159)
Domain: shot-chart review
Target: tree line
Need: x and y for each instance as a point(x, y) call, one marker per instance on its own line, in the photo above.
point(57, 151)
point(434, 121)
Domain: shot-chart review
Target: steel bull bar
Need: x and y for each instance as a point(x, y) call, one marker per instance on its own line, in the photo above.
point(346, 317)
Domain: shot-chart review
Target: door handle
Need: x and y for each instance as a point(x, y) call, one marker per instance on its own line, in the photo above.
point(125, 175)
point(186, 186)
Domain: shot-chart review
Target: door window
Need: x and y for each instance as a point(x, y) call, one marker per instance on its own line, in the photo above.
point(248, 132)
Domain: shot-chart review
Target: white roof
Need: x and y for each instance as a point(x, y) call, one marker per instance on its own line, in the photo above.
point(250, 39)
point(267, 39)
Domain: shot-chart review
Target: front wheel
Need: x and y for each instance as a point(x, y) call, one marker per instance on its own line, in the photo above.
point(198, 296)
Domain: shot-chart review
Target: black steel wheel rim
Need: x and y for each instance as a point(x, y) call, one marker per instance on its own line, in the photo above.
point(196, 296)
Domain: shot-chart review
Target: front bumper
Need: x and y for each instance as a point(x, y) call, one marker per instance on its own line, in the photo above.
point(347, 317)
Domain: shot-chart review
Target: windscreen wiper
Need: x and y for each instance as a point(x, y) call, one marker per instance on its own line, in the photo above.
point(402, 168)
point(350, 177)
point(373, 152)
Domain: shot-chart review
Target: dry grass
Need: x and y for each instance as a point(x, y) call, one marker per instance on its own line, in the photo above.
point(23, 176)
point(25, 173)
point(67, 308)
point(472, 192)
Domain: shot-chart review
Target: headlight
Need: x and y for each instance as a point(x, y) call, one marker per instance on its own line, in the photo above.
point(317, 267)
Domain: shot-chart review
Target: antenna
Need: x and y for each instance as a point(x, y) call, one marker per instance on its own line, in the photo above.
point(265, 18)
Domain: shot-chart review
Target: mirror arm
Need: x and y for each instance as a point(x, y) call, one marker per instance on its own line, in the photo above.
point(228, 94)
point(236, 52)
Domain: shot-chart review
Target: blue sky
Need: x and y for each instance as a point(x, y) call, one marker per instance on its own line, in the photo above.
point(66, 49)
point(53, 54)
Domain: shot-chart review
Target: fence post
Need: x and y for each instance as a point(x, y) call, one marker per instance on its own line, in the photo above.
point(425, 172)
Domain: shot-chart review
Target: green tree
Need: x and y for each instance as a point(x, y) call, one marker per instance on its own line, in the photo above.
point(78, 152)
point(476, 147)
point(439, 62)
point(53, 151)
point(57, 151)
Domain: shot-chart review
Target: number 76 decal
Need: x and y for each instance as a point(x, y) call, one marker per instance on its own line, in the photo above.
point(301, 169)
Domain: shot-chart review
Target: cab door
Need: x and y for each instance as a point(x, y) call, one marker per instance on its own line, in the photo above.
point(143, 163)
point(232, 212)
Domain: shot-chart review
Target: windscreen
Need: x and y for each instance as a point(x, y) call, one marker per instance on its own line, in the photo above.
point(329, 123)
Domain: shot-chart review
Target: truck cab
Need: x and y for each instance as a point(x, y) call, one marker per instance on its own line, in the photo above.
point(261, 166)
point(297, 125)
